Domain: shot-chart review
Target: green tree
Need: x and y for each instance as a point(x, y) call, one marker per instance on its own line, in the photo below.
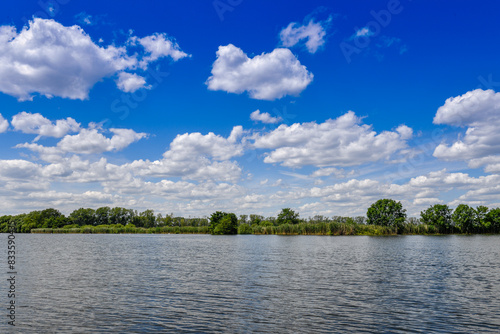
point(102, 216)
point(82, 217)
point(223, 223)
point(52, 218)
point(493, 219)
point(227, 225)
point(386, 212)
point(244, 229)
point(255, 219)
point(121, 216)
point(147, 219)
point(438, 215)
point(464, 218)
point(480, 218)
point(287, 216)
point(243, 219)
point(5, 224)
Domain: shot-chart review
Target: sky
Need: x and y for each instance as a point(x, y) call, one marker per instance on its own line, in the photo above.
point(189, 107)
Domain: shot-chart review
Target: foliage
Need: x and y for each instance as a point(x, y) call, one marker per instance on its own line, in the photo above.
point(83, 216)
point(287, 216)
point(438, 215)
point(386, 212)
point(244, 229)
point(480, 218)
point(223, 223)
point(493, 220)
point(255, 219)
point(436, 219)
point(464, 218)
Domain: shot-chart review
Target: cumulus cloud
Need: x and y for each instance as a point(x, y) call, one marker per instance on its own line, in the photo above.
point(4, 124)
point(130, 82)
point(313, 33)
point(18, 169)
point(265, 117)
point(209, 145)
point(479, 111)
point(268, 76)
point(328, 171)
point(473, 108)
point(343, 141)
point(37, 124)
point(362, 32)
point(158, 46)
point(87, 141)
point(53, 60)
point(90, 141)
point(198, 157)
point(353, 196)
point(405, 131)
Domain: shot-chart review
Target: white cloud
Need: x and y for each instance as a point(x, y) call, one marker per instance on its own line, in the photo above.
point(87, 141)
point(405, 131)
point(363, 32)
point(18, 169)
point(313, 32)
point(265, 117)
point(185, 146)
point(37, 124)
point(339, 142)
point(158, 46)
point(198, 157)
point(130, 82)
point(479, 111)
point(268, 76)
point(90, 141)
point(4, 124)
point(473, 108)
point(328, 171)
point(53, 60)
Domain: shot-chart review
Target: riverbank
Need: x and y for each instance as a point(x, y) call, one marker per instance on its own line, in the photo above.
point(285, 229)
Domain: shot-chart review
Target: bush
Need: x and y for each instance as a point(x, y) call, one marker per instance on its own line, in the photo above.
point(245, 229)
point(287, 216)
point(223, 223)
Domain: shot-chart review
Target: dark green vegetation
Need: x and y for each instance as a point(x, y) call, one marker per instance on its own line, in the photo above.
point(223, 223)
point(384, 217)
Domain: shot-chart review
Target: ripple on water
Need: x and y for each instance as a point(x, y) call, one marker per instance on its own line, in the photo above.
point(248, 284)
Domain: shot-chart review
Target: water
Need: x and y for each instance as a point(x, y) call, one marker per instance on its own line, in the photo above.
point(255, 284)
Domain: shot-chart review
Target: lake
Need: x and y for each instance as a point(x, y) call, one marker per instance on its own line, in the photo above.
point(254, 284)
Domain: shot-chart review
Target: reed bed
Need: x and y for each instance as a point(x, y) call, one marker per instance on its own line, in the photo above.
point(321, 228)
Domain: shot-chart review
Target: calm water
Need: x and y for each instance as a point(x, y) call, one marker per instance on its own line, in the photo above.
point(247, 284)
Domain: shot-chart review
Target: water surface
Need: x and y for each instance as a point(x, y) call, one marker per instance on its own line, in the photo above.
point(256, 284)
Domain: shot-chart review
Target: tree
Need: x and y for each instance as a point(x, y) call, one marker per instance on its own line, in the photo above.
point(287, 216)
point(82, 217)
point(386, 212)
point(255, 219)
point(464, 218)
point(243, 219)
point(493, 219)
point(223, 223)
point(244, 229)
point(121, 216)
point(480, 218)
point(438, 215)
point(147, 219)
point(102, 216)
point(227, 225)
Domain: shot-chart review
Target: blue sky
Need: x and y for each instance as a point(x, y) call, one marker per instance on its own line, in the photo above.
point(248, 106)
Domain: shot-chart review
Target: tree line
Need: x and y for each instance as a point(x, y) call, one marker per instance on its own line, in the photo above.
point(385, 216)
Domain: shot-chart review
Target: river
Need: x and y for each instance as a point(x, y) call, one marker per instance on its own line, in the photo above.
point(254, 284)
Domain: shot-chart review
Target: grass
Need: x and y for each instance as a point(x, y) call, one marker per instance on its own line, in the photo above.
point(321, 228)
